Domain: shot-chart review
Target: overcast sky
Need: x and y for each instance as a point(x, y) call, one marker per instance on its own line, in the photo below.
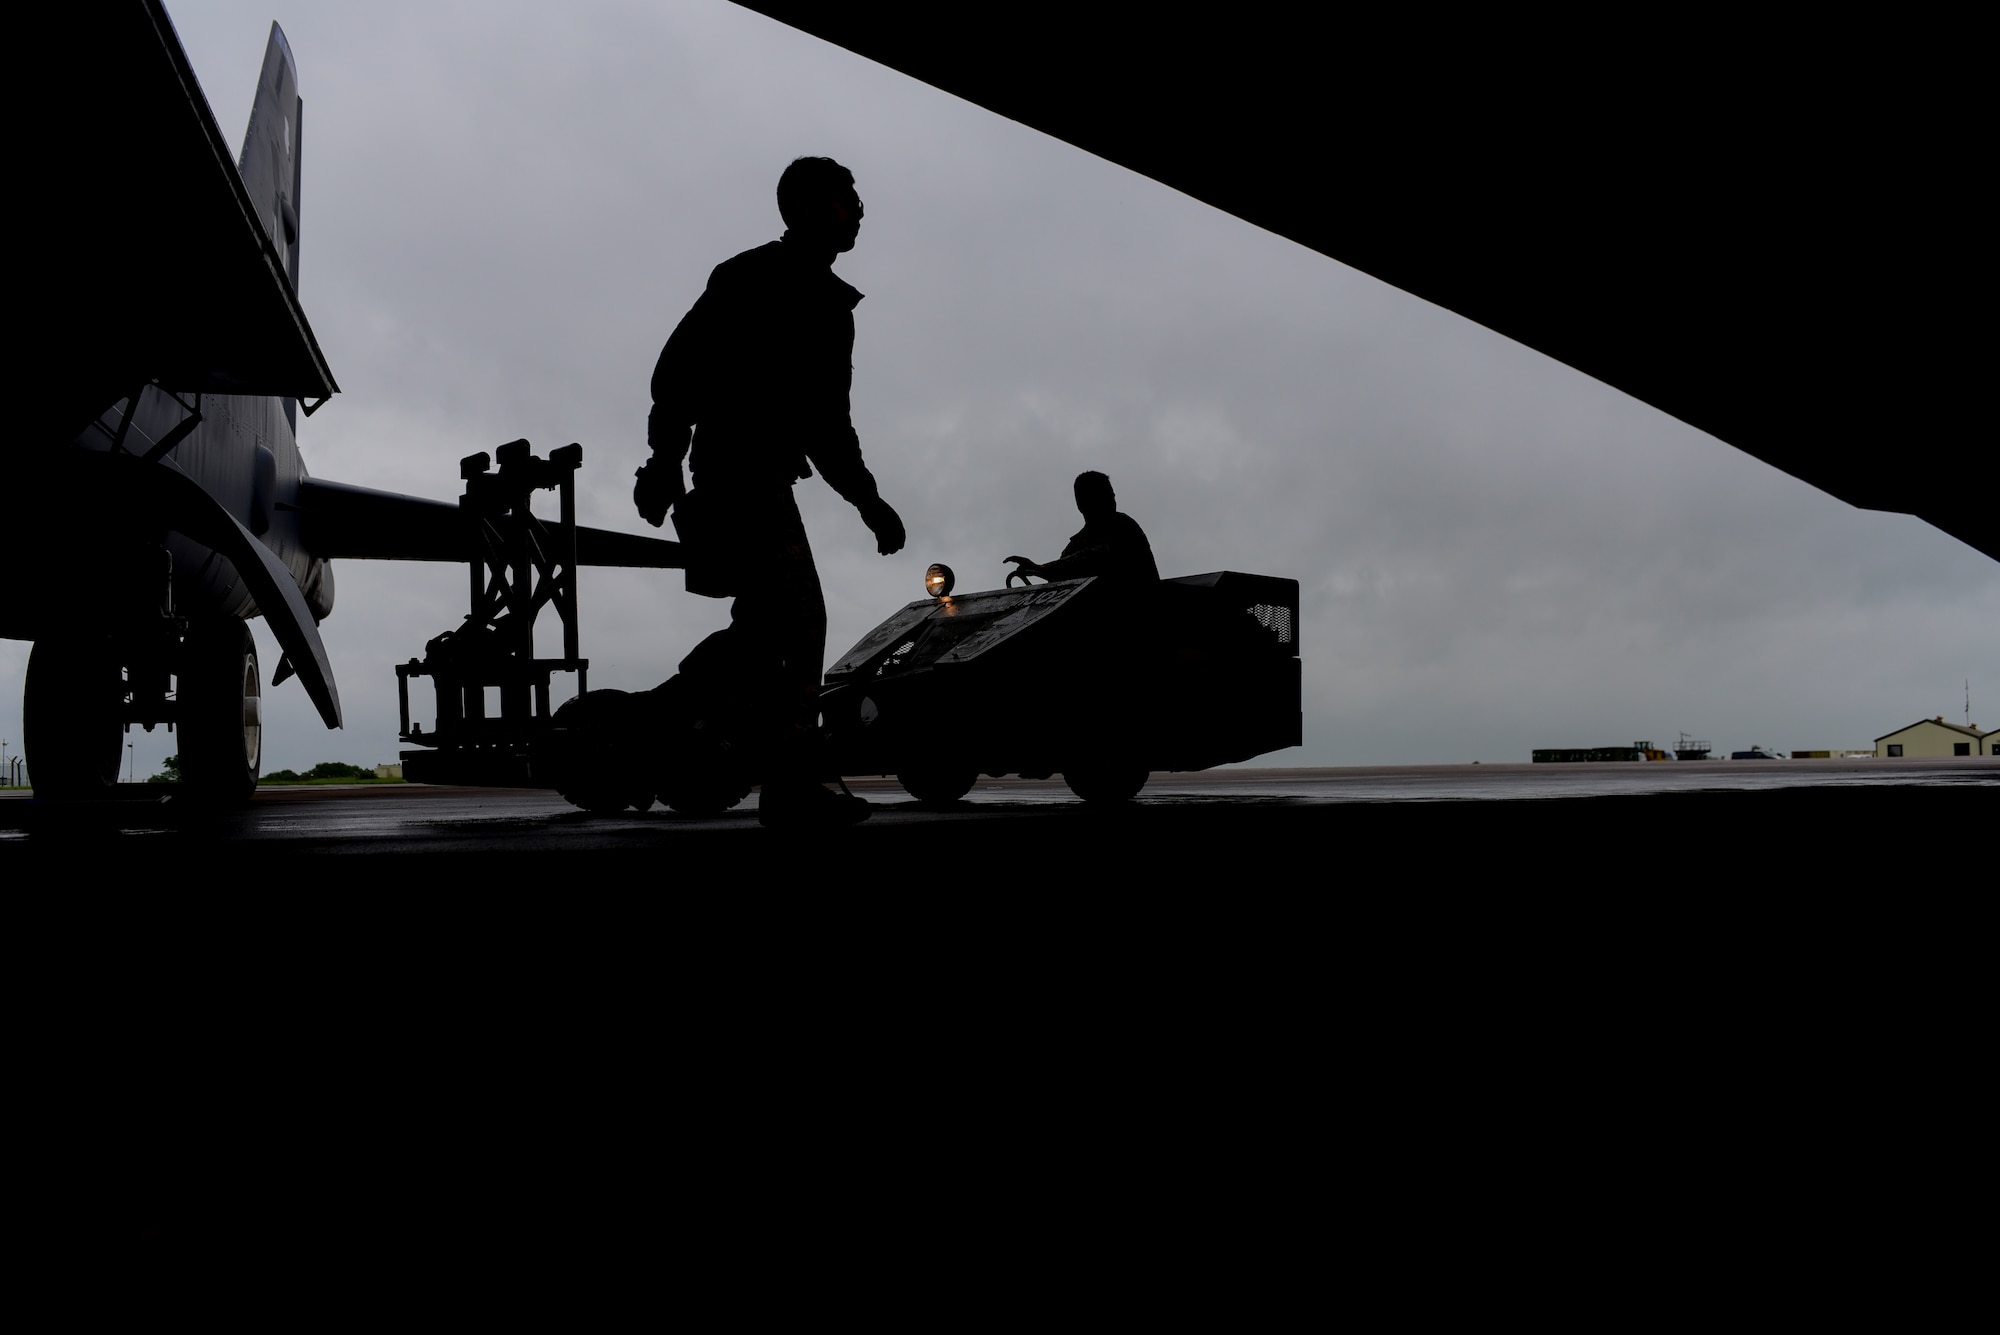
point(507, 207)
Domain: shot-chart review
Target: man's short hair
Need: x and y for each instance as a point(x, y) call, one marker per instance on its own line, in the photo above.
point(1095, 485)
point(807, 181)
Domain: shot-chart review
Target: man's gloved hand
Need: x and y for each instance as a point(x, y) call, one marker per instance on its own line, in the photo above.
point(658, 490)
point(885, 524)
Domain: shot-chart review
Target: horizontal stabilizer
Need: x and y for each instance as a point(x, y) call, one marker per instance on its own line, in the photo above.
point(360, 524)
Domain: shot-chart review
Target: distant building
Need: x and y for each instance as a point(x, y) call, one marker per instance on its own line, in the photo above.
point(389, 771)
point(1933, 738)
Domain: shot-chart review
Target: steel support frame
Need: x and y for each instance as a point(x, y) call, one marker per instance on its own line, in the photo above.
point(517, 565)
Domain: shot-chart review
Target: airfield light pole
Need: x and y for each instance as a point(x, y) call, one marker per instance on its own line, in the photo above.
point(128, 762)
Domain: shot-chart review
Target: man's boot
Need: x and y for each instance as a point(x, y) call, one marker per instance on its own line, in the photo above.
point(800, 804)
point(793, 797)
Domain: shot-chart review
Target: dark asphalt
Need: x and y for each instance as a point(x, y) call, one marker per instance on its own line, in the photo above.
point(354, 1024)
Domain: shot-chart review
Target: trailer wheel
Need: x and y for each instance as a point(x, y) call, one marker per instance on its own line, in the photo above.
point(1106, 783)
point(695, 796)
point(72, 719)
point(590, 755)
point(704, 771)
point(938, 786)
point(221, 712)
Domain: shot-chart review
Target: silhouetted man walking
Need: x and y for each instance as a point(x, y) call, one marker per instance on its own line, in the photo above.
point(756, 379)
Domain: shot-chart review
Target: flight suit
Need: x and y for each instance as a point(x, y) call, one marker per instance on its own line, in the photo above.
point(1109, 546)
point(753, 384)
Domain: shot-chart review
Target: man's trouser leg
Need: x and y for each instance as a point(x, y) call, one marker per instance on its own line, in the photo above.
point(782, 616)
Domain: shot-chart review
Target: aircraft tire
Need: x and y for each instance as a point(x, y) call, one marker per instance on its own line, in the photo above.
point(938, 786)
point(1106, 783)
point(221, 712)
point(72, 728)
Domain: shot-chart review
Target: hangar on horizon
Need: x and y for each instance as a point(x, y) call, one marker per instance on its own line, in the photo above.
point(1933, 738)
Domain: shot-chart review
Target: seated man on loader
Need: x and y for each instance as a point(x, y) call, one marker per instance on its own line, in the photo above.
point(1110, 545)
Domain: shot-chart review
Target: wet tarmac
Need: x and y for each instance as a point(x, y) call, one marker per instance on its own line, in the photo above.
point(1179, 821)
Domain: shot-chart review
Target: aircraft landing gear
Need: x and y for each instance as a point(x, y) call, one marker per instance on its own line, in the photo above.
point(72, 719)
point(83, 691)
point(221, 712)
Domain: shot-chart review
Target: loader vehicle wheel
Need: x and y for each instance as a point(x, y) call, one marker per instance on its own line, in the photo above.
point(72, 719)
point(1106, 783)
point(939, 786)
point(221, 712)
point(592, 752)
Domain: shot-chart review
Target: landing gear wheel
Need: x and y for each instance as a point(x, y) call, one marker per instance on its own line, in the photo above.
point(72, 719)
point(591, 755)
point(221, 712)
point(938, 787)
point(1106, 783)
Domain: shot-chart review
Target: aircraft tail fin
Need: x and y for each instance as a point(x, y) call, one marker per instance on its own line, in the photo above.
point(269, 164)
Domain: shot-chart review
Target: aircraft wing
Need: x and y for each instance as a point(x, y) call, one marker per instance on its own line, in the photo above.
point(150, 257)
point(1760, 226)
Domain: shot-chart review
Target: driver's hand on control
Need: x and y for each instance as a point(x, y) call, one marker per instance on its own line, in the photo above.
point(659, 488)
point(885, 524)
